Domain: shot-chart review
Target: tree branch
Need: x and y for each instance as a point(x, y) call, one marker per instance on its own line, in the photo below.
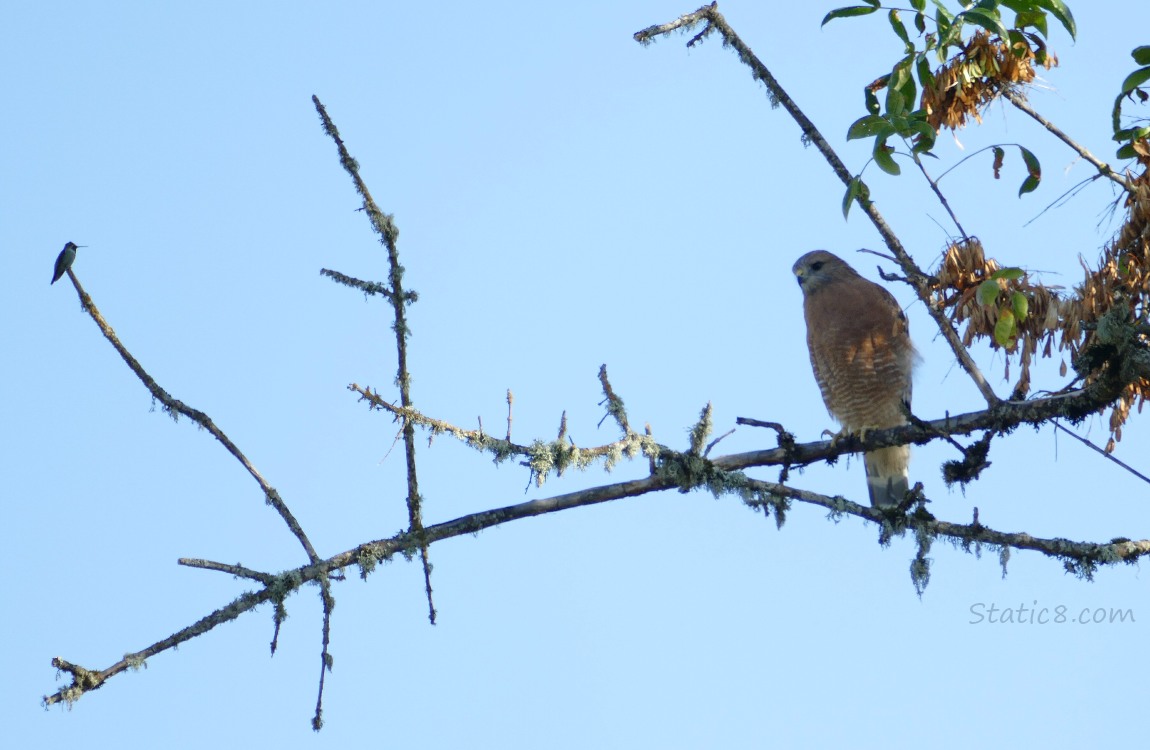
point(175, 408)
point(1019, 101)
point(384, 226)
point(676, 470)
point(916, 277)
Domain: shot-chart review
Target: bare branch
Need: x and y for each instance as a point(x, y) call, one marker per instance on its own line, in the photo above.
point(684, 22)
point(367, 287)
point(384, 225)
point(175, 408)
point(1083, 557)
point(1110, 456)
point(1019, 101)
point(236, 570)
point(1074, 406)
point(85, 680)
point(938, 193)
point(676, 470)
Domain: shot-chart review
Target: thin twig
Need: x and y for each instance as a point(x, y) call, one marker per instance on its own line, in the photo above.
point(713, 443)
point(236, 570)
point(1063, 199)
point(614, 404)
point(1110, 456)
point(938, 193)
point(175, 408)
point(367, 287)
point(510, 402)
point(1104, 169)
point(915, 275)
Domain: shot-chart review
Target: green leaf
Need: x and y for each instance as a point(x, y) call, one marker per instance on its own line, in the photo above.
point(987, 292)
point(919, 5)
point(1035, 18)
point(947, 31)
point(1059, 10)
point(906, 81)
point(853, 10)
point(1141, 55)
point(1020, 306)
point(1116, 117)
point(1127, 152)
point(853, 189)
point(1136, 79)
point(1010, 274)
point(883, 158)
point(895, 103)
point(920, 22)
point(900, 88)
point(1034, 170)
point(986, 19)
point(1005, 329)
point(867, 126)
point(926, 136)
point(899, 29)
point(1018, 6)
point(1029, 185)
point(925, 74)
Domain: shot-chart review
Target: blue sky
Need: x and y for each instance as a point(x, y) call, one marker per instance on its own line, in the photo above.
point(565, 198)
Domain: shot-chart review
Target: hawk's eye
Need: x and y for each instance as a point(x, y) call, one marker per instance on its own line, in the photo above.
point(817, 265)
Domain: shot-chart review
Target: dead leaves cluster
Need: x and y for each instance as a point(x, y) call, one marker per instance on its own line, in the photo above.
point(975, 76)
point(1052, 320)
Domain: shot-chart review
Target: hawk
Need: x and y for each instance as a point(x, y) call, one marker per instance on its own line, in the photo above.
point(862, 356)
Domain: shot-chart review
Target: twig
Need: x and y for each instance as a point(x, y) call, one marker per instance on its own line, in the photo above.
point(367, 287)
point(1110, 456)
point(614, 404)
point(685, 21)
point(938, 193)
point(236, 570)
point(1064, 198)
point(915, 275)
point(1104, 169)
point(510, 401)
point(713, 443)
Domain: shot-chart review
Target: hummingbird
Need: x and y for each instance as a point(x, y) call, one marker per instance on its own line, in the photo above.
point(64, 260)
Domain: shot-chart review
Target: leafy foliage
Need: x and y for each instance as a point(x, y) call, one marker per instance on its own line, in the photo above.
point(975, 69)
point(1134, 139)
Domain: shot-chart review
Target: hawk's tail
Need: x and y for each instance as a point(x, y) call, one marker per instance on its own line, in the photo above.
point(886, 474)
